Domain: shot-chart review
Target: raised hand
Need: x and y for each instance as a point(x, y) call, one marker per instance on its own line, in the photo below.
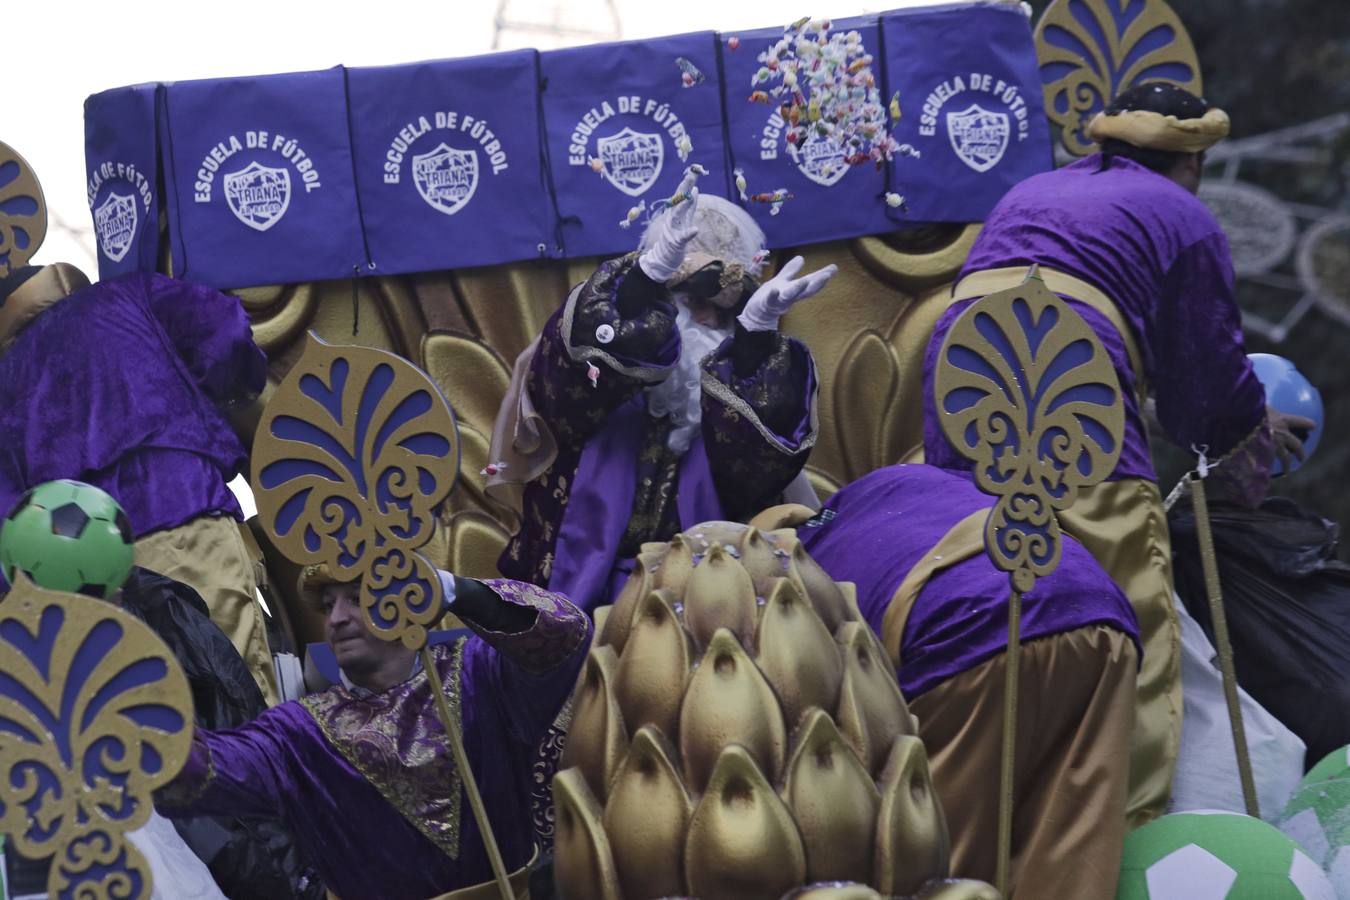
point(768, 304)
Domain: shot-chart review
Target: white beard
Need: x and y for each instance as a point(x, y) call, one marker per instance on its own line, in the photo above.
point(679, 397)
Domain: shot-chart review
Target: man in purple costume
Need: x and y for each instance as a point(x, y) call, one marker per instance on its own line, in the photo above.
point(910, 537)
point(648, 404)
point(362, 774)
point(1122, 237)
point(124, 384)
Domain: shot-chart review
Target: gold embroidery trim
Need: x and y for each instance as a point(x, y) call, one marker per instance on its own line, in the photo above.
point(448, 839)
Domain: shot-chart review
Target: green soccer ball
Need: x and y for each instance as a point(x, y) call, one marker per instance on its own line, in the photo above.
point(68, 536)
point(1334, 765)
point(1318, 818)
point(1217, 856)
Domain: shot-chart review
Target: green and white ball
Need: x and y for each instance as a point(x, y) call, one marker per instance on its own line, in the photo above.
point(1334, 765)
point(1318, 818)
point(1217, 856)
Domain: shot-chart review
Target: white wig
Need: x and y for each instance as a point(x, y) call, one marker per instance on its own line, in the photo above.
point(725, 232)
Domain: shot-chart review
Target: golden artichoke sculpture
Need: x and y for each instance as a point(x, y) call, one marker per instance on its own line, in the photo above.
point(739, 733)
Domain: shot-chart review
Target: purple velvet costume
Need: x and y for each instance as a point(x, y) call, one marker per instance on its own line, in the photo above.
point(119, 385)
point(612, 482)
point(873, 532)
point(367, 785)
point(1161, 256)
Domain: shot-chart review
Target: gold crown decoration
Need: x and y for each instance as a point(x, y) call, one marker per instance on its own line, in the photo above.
point(738, 732)
point(95, 714)
point(1083, 67)
point(23, 211)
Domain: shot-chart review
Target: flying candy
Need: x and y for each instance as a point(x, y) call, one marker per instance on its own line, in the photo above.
point(684, 147)
point(740, 183)
point(894, 200)
point(593, 373)
point(633, 214)
point(492, 469)
point(689, 73)
point(825, 90)
point(733, 42)
point(597, 165)
point(775, 199)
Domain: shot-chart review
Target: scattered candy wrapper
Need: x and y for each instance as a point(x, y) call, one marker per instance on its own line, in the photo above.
point(775, 199)
point(895, 107)
point(684, 147)
point(492, 469)
point(740, 184)
point(633, 214)
point(593, 373)
point(689, 73)
point(894, 200)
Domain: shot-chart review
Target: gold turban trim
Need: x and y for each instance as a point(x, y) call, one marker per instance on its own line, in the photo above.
point(313, 579)
point(54, 282)
point(1155, 131)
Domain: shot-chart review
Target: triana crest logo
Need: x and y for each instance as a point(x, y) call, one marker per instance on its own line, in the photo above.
point(258, 195)
point(822, 160)
point(446, 178)
point(632, 160)
point(115, 221)
point(629, 159)
point(978, 136)
point(992, 112)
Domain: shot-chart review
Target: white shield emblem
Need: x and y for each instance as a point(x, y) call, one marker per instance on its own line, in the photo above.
point(446, 178)
point(632, 160)
point(979, 136)
point(822, 160)
point(115, 221)
point(258, 196)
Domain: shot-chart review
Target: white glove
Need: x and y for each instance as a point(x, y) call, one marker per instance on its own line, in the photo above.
point(661, 260)
point(775, 296)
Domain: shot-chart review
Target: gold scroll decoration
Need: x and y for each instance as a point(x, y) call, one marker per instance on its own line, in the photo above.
point(95, 714)
point(1026, 391)
point(743, 778)
point(23, 211)
point(355, 450)
point(1090, 50)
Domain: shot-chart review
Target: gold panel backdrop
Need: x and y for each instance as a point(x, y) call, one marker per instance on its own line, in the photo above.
point(867, 330)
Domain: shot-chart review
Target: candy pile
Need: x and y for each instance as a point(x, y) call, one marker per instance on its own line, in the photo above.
point(825, 90)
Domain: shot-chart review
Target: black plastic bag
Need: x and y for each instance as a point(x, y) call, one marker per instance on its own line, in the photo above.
point(250, 858)
point(1287, 600)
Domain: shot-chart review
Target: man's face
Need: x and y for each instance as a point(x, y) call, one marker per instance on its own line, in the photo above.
point(358, 652)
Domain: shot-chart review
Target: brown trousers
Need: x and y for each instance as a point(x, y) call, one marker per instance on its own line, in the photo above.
point(1075, 714)
point(208, 555)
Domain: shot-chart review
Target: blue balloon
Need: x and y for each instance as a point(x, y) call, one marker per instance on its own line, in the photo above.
point(1289, 392)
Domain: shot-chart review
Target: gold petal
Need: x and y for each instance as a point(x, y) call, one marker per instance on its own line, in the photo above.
point(833, 800)
point(834, 891)
point(597, 739)
point(649, 682)
point(582, 862)
point(638, 586)
point(797, 654)
point(676, 567)
point(729, 702)
point(762, 558)
point(958, 889)
point(872, 711)
point(647, 819)
point(912, 846)
point(719, 595)
point(742, 843)
point(817, 587)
